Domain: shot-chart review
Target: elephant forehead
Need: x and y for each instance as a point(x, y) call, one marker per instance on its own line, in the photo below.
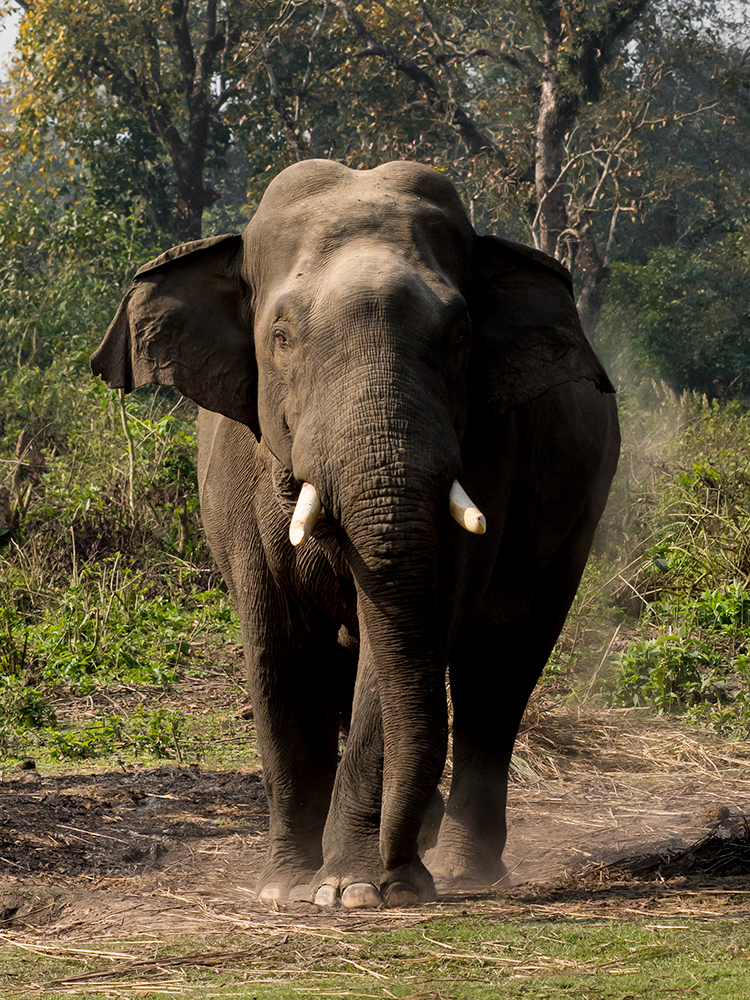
point(361, 274)
point(312, 179)
point(400, 206)
point(360, 281)
point(318, 235)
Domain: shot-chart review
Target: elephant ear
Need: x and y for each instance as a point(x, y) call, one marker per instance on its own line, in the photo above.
point(527, 337)
point(181, 323)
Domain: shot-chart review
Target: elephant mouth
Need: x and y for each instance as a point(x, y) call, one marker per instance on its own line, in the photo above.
point(303, 507)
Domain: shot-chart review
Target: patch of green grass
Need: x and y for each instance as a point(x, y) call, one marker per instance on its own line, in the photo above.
point(457, 956)
point(126, 635)
point(144, 736)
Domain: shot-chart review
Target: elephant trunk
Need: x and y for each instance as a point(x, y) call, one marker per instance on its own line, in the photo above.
point(391, 527)
point(383, 471)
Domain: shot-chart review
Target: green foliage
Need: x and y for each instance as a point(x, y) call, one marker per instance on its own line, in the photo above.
point(670, 672)
point(22, 707)
point(683, 317)
point(106, 629)
point(156, 733)
point(679, 514)
point(668, 580)
point(96, 594)
point(695, 657)
point(62, 272)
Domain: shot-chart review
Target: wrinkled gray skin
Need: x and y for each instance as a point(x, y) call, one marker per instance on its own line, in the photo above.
point(361, 338)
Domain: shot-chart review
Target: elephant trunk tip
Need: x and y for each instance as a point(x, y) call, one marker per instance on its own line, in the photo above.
point(463, 510)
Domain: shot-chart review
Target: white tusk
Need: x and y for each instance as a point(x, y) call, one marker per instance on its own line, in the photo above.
point(306, 514)
point(464, 511)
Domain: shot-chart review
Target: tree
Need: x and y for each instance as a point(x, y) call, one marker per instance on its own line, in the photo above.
point(486, 78)
point(540, 112)
point(557, 122)
point(683, 317)
point(141, 69)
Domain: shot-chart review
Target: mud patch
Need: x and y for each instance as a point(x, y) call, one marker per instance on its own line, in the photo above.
point(177, 850)
point(114, 824)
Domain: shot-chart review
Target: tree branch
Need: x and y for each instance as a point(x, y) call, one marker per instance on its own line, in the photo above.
point(474, 139)
point(184, 44)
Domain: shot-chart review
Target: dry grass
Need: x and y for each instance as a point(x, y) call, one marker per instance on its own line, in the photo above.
point(558, 741)
point(558, 750)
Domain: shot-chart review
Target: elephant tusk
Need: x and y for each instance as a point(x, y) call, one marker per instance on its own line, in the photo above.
point(306, 514)
point(464, 511)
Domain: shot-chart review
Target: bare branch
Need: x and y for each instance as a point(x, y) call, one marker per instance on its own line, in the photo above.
point(310, 55)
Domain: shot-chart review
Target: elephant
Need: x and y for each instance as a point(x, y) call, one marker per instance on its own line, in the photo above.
point(405, 445)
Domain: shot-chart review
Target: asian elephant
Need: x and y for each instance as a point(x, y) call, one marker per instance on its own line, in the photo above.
point(365, 364)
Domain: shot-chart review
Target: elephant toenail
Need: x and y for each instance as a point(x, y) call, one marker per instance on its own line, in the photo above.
point(360, 895)
point(325, 896)
point(273, 891)
point(300, 894)
point(401, 894)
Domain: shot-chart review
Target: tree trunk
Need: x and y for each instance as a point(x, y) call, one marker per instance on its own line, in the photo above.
point(192, 194)
point(556, 112)
point(591, 299)
point(189, 160)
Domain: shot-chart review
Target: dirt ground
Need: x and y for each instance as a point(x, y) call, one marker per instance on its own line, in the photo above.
point(177, 849)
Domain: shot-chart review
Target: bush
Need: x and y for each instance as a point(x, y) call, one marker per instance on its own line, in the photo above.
point(696, 659)
point(156, 733)
point(678, 520)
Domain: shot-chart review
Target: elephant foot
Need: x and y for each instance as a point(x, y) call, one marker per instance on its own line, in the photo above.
point(408, 886)
point(357, 896)
point(456, 871)
point(285, 881)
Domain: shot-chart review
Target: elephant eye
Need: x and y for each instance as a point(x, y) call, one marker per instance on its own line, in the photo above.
point(459, 334)
point(280, 337)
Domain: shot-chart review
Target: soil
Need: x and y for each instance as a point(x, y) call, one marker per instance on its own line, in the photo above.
point(610, 814)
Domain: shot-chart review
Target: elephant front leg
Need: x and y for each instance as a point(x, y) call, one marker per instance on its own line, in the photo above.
point(294, 689)
point(354, 872)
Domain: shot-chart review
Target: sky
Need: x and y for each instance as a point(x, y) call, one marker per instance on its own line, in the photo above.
point(8, 29)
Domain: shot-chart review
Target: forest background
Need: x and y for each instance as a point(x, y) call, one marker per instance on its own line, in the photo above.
point(614, 135)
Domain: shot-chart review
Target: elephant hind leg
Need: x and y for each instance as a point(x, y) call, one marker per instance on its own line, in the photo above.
point(488, 702)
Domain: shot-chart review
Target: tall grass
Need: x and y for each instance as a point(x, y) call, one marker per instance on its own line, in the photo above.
point(98, 590)
point(672, 560)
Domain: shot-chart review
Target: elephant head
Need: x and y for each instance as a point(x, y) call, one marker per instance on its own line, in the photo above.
point(341, 277)
point(362, 330)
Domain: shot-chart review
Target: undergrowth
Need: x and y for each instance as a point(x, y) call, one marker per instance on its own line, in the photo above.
point(671, 567)
point(105, 580)
point(107, 585)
